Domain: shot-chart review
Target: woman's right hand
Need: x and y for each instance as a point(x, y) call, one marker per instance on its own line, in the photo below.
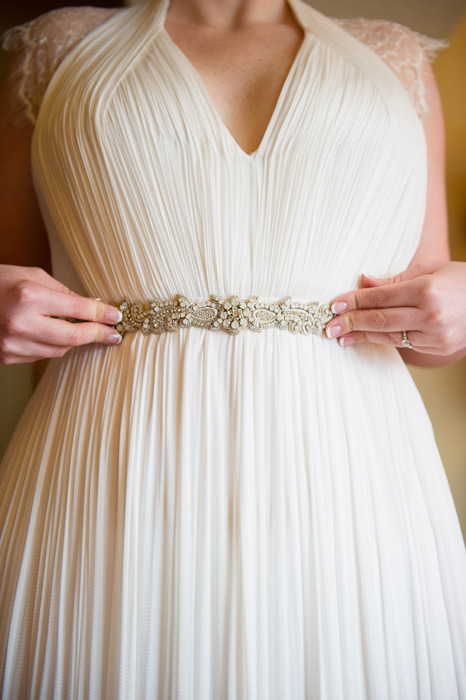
point(30, 301)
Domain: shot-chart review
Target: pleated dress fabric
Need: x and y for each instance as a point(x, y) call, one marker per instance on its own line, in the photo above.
point(198, 515)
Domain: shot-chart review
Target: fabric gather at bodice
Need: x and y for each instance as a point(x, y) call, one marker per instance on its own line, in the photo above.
point(45, 41)
point(201, 515)
point(146, 194)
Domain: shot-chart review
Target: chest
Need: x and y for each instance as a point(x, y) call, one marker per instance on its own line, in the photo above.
point(243, 72)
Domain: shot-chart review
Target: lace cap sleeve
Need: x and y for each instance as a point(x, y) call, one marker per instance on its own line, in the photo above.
point(403, 49)
point(40, 46)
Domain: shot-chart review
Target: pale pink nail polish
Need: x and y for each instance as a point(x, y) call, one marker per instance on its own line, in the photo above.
point(339, 307)
point(114, 316)
point(333, 331)
point(346, 341)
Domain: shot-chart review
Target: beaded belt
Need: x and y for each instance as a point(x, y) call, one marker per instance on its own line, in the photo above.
point(230, 314)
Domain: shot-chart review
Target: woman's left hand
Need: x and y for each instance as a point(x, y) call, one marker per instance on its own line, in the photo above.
point(428, 301)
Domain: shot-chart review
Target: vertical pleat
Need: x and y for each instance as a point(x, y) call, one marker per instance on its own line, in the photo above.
point(195, 531)
point(197, 515)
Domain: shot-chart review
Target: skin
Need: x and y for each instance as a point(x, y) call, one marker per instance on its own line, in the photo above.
point(30, 295)
point(242, 50)
point(424, 299)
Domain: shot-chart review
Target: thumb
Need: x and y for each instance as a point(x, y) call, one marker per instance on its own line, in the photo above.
point(371, 281)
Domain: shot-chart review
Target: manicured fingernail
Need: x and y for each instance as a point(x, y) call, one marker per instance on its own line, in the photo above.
point(114, 339)
point(333, 331)
point(95, 299)
point(371, 277)
point(346, 341)
point(114, 316)
point(339, 307)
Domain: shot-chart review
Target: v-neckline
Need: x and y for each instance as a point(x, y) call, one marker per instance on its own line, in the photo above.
point(274, 122)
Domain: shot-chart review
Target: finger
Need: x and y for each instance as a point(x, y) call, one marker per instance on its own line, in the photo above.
point(55, 331)
point(417, 270)
point(85, 309)
point(385, 320)
point(40, 276)
point(69, 335)
point(369, 281)
point(405, 294)
point(32, 352)
point(416, 338)
point(43, 278)
point(51, 302)
point(355, 338)
point(60, 332)
point(424, 349)
point(359, 337)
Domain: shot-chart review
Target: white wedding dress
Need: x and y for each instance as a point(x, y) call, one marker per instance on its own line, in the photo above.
point(198, 515)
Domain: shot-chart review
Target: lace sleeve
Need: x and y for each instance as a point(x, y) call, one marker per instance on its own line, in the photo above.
point(41, 45)
point(403, 49)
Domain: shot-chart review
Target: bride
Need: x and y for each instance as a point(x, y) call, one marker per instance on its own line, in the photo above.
point(208, 515)
point(243, 51)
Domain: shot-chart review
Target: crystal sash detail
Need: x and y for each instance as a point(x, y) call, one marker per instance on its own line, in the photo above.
point(231, 314)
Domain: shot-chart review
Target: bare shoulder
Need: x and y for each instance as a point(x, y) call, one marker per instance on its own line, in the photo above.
point(39, 46)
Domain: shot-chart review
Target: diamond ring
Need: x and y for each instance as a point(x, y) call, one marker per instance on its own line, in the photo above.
point(406, 341)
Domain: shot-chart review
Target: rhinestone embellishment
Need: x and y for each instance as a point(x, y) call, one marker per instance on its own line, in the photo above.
point(231, 314)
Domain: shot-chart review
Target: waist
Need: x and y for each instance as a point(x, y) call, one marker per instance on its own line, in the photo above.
point(231, 314)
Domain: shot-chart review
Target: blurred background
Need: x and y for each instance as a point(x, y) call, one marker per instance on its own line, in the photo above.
point(443, 390)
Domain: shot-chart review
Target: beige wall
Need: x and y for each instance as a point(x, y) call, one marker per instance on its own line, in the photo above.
point(443, 390)
point(435, 18)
